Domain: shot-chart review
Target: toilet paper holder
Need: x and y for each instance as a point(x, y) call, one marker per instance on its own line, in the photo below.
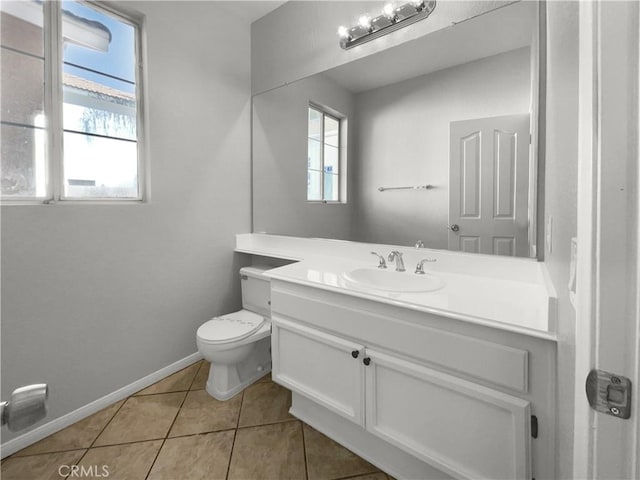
point(26, 406)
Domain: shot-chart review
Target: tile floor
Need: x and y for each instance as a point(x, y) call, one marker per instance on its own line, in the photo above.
point(174, 430)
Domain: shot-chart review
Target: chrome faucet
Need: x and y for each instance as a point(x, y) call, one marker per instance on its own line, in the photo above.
point(381, 263)
point(419, 244)
point(397, 256)
point(420, 266)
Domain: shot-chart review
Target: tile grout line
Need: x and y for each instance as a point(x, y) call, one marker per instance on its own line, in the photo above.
point(240, 410)
point(118, 410)
point(355, 477)
point(193, 380)
point(188, 389)
point(138, 395)
point(71, 449)
point(92, 444)
point(166, 436)
point(304, 450)
point(194, 434)
point(235, 434)
point(109, 422)
point(44, 453)
point(100, 433)
point(233, 444)
point(358, 475)
point(274, 422)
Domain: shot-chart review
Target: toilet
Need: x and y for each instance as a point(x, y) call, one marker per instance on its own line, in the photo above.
point(238, 344)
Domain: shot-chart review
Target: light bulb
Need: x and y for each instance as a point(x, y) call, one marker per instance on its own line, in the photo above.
point(343, 31)
point(364, 21)
point(389, 11)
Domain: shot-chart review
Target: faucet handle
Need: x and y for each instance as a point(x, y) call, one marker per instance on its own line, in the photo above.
point(419, 244)
point(381, 263)
point(394, 254)
point(420, 266)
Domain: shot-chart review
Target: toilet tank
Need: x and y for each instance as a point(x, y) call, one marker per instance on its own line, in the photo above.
point(256, 290)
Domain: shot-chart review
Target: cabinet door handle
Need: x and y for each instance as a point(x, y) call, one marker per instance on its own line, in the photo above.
point(366, 361)
point(355, 353)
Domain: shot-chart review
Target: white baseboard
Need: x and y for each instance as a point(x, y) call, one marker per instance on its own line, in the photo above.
point(57, 424)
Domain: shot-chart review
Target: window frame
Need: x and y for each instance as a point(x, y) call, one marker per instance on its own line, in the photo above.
point(53, 44)
point(325, 112)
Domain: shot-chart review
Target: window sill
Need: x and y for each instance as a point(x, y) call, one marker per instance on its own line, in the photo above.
point(49, 203)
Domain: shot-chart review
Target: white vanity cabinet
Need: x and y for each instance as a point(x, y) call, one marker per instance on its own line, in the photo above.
point(320, 366)
point(455, 396)
point(462, 428)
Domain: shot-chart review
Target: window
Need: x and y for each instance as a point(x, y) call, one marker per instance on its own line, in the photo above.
point(70, 114)
point(323, 161)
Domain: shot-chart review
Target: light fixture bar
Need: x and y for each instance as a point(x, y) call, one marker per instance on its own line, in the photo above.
point(391, 19)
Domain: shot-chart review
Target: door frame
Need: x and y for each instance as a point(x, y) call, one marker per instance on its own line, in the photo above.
point(608, 275)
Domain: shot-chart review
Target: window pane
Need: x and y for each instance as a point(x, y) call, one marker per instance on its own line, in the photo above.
point(315, 123)
point(23, 163)
point(21, 26)
point(314, 185)
point(314, 161)
point(93, 108)
point(22, 87)
point(331, 159)
point(331, 131)
point(98, 41)
point(99, 94)
point(331, 187)
point(99, 167)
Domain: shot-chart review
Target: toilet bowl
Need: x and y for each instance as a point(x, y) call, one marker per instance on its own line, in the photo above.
point(238, 344)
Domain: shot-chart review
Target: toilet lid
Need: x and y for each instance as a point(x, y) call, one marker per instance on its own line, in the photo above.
point(227, 328)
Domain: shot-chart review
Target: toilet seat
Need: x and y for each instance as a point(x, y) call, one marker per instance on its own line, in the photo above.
point(230, 328)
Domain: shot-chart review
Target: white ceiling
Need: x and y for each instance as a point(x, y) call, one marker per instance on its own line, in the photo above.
point(251, 10)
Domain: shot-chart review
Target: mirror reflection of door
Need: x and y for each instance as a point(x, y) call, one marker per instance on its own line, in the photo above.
point(489, 185)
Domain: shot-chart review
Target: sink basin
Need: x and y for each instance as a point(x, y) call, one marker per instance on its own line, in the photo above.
point(392, 281)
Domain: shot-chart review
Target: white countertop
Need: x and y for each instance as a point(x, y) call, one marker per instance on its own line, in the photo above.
point(500, 292)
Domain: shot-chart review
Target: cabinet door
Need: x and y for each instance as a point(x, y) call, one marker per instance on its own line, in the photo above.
point(325, 368)
point(464, 429)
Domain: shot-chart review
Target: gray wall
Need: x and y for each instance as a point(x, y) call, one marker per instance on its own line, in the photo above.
point(560, 200)
point(280, 129)
point(403, 139)
point(95, 297)
point(300, 38)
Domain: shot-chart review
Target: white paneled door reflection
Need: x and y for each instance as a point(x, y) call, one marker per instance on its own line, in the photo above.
point(489, 182)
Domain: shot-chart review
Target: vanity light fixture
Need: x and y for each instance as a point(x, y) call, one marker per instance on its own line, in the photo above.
point(391, 19)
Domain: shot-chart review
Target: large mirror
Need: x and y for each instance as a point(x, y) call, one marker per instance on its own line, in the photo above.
point(432, 141)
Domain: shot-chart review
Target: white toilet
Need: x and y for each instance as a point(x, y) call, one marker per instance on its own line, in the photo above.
point(238, 345)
